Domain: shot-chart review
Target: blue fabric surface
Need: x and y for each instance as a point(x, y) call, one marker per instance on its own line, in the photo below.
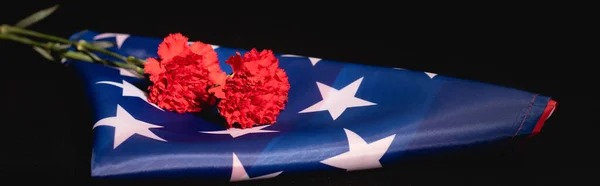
point(403, 111)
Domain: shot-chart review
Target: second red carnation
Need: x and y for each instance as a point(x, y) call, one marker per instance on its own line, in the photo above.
point(256, 92)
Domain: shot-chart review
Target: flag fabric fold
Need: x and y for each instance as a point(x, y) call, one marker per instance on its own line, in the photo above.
point(340, 117)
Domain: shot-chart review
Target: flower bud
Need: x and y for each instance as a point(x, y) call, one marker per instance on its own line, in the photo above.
point(2, 29)
point(80, 45)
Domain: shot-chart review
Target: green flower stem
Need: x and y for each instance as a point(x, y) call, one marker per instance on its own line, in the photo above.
point(77, 56)
point(21, 40)
point(68, 54)
point(7, 29)
point(83, 45)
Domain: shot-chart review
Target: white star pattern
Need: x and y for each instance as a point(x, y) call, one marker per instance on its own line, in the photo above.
point(312, 60)
point(238, 173)
point(126, 126)
point(337, 101)
point(130, 90)
point(235, 132)
point(213, 46)
point(361, 154)
point(120, 38)
point(430, 74)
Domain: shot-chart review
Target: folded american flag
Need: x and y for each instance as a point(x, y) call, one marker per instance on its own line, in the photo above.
point(340, 116)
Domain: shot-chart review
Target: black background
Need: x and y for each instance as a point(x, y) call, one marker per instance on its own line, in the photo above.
point(46, 136)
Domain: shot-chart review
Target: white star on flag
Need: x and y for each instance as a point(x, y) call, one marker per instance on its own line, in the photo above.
point(238, 173)
point(337, 101)
point(118, 36)
point(235, 132)
point(362, 155)
point(130, 90)
point(213, 46)
point(312, 60)
point(430, 74)
point(126, 126)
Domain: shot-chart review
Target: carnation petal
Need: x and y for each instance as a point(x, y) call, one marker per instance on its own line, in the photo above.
point(152, 66)
point(218, 78)
point(265, 63)
point(235, 62)
point(218, 92)
point(172, 45)
point(251, 67)
point(205, 50)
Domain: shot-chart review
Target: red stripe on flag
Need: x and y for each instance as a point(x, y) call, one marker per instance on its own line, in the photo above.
point(547, 112)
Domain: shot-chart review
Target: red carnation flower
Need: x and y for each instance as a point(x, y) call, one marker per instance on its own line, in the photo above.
point(256, 92)
point(180, 81)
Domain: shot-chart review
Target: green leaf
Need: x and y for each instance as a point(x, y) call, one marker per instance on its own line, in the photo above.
point(102, 44)
point(94, 56)
point(35, 17)
point(44, 53)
